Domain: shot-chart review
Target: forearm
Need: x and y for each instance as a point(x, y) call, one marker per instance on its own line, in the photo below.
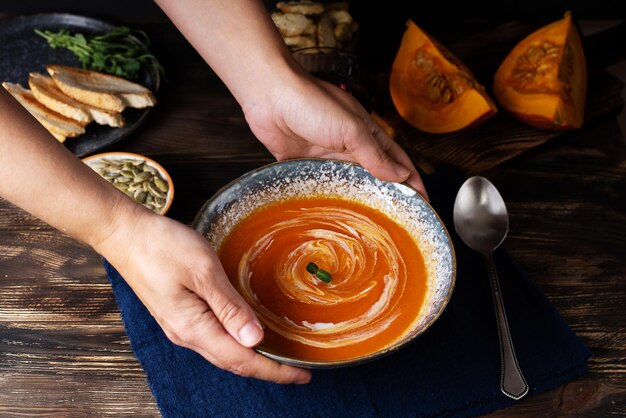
point(238, 40)
point(41, 176)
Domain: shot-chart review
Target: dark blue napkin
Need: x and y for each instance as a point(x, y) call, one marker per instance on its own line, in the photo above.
point(451, 370)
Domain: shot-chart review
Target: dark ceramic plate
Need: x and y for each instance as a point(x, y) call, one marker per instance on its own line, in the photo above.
point(23, 51)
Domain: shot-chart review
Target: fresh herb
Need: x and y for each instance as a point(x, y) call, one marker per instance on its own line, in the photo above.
point(122, 51)
point(323, 275)
point(312, 268)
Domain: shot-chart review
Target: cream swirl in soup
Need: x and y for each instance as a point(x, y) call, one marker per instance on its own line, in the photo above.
point(378, 277)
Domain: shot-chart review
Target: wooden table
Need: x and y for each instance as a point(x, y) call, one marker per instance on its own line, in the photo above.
point(63, 350)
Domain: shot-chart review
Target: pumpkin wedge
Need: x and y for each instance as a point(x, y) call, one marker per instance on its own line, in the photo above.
point(431, 89)
point(543, 80)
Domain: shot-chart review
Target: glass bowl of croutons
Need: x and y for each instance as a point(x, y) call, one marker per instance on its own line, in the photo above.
point(322, 38)
point(307, 24)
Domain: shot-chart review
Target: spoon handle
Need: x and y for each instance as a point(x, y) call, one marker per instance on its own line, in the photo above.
point(512, 382)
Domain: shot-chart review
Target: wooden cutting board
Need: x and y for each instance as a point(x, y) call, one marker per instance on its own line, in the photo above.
point(502, 137)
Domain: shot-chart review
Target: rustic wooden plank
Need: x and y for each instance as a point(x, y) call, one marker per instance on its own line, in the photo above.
point(25, 254)
point(579, 398)
point(64, 395)
point(50, 303)
point(13, 218)
point(62, 339)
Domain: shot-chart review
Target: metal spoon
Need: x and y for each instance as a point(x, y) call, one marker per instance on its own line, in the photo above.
point(482, 222)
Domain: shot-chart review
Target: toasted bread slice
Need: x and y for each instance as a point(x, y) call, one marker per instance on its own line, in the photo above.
point(106, 117)
point(291, 24)
point(304, 7)
point(100, 90)
point(58, 125)
point(297, 42)
point(325, 33)
point(46, 92)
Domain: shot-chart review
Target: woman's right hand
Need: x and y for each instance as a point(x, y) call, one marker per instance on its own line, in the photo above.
point(179, 278)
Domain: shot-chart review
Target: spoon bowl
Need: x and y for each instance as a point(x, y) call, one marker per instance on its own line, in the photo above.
point(480, 215)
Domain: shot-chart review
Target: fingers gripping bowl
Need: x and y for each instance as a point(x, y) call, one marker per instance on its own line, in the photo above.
point(390, 261)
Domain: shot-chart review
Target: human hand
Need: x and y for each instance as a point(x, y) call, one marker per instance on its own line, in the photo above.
point(307, 117)
point(179, 278)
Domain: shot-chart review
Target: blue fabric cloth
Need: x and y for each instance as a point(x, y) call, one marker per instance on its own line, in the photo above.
point(451, 370)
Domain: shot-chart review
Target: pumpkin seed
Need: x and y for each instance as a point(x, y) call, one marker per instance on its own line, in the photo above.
point(139, 177)
point(98, 165)
point(120, 186)
point(161, 185)
point(442, 83)
point(140, 196)
point(446, 96)
point(154, 191)
point(432, 79)
point(553, 50)
point(135, 186)
point(433, 93)
point(123, 179)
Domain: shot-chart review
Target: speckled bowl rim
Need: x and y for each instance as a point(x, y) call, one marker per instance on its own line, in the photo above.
point(150, 161)
point(332, 364)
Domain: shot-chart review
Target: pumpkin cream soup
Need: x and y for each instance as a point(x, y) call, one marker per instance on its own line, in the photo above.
point(367, 298)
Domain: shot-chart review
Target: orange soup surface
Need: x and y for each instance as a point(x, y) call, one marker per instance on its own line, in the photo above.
point(378, 277)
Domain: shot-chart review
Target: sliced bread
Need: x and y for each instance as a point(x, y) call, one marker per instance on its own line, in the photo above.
point(100, 90)
point(58, 125)
point(47, 92)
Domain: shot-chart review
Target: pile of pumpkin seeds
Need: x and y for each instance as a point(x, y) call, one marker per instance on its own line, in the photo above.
point(136, 179)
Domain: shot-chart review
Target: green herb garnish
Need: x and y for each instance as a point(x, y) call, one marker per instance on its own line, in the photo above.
point(312, 268)
point(121, 52)
point(323, 275)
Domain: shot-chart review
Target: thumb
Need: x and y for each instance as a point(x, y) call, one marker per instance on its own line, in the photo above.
point(375, 156)
point(231, 310)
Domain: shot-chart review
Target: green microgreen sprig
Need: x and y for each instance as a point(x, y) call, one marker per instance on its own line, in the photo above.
point(122, 51)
